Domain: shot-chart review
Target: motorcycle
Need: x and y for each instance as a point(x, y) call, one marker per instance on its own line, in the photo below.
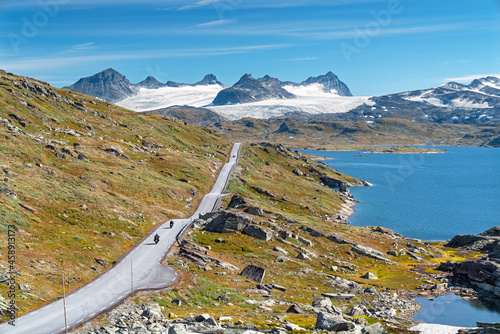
point(156, 239)
point(171, 223)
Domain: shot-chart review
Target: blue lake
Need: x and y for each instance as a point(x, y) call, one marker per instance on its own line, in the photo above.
point(429, 197)
point(425, 196)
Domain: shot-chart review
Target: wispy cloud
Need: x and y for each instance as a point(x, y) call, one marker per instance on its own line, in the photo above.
point(200, 3)
point(468, 78)
point(84, 46)
point(215, 23)
point(29, 64)
point(301, 59)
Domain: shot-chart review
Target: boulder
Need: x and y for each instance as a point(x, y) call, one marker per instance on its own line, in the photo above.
point(254, 273)
point(332, 322)
point(324, 304)
point(282, 259)
point(259, 232)
point(295, 309)
point(178, 329)
point(369, 275)
point(302, 256)
point(280, 250)
point(370, 252)
point(226, 222)
point(374, 329)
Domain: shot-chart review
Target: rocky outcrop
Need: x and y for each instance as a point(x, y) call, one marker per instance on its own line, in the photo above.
point(259, 232)
point(481, 275)
point(487, 242)
point(226, 221)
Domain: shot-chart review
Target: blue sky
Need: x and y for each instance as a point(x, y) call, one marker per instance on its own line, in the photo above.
point(375, 47)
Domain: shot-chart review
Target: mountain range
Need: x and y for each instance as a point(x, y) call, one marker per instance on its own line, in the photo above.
point(324, 97)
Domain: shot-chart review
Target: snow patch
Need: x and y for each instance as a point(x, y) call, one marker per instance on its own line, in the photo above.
point(150, 99)
point(278, 107)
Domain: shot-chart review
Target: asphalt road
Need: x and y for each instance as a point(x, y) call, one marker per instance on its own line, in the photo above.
point(140, 269)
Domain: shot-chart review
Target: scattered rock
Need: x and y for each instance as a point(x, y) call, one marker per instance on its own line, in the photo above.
point(295, 309)
point(369, 275)
point(259, 232)
point(254, 273)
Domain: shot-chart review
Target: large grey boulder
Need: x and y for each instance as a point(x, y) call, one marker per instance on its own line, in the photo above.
point(332, 322)
point(374, 329)
point(324, 305)
point(259, 232)
point(227, 222)
point(253, 272)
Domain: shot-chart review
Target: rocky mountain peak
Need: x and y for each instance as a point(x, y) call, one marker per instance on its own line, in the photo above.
point(331, 84)
point(150, 82)
point(209, 79)
point(109, 85)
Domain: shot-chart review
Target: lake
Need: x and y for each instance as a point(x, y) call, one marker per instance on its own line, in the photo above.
point(425, 196)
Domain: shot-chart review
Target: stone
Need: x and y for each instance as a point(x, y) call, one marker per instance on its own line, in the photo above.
point(374, 329)
point(176, 302)
point(226, 222)
point(302, 256)
point(224, 298)
point(101, 262)
point(332, 322)
point(278, 287)
point(259, 232)
point(280, 250)
point(7, 192)
point(177, 329)
point(370, 252)
point(282, 259)
point(24, 287)
point(295, 309)
point(225, 319)
point(356, 311)
point(370, 290)
point(202, 317)
point(393, 252)
point(210, 322)
point(369, 275)
point(254, 273)
point(324, 304)
point(151, 314)
point(256, 211)
point(306, 242)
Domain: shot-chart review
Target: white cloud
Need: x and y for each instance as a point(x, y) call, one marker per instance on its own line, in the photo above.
point(84, 46)
point(468, 78)
point(200, 3)
point(35, 63)
point(215, 23)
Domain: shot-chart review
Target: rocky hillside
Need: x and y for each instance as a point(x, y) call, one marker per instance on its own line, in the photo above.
point(84, 180)
point(344, 134)
point(279, 255)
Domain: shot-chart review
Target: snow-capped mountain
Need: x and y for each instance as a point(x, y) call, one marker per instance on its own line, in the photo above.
point(248, 89)
point(309, 100)
point(108, 85)
point(330, 82)
point(451, 102)
point(324, 97)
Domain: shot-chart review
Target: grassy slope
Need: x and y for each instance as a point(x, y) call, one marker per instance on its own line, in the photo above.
point(309, 203)
point(69, 202)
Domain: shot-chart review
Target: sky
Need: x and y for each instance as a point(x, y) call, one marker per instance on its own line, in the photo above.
point(375, 47)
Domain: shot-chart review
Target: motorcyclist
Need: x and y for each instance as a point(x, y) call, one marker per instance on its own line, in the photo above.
point(156, 238)
point(171, 223)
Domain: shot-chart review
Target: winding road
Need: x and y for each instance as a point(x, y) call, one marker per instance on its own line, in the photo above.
point(140, 269)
